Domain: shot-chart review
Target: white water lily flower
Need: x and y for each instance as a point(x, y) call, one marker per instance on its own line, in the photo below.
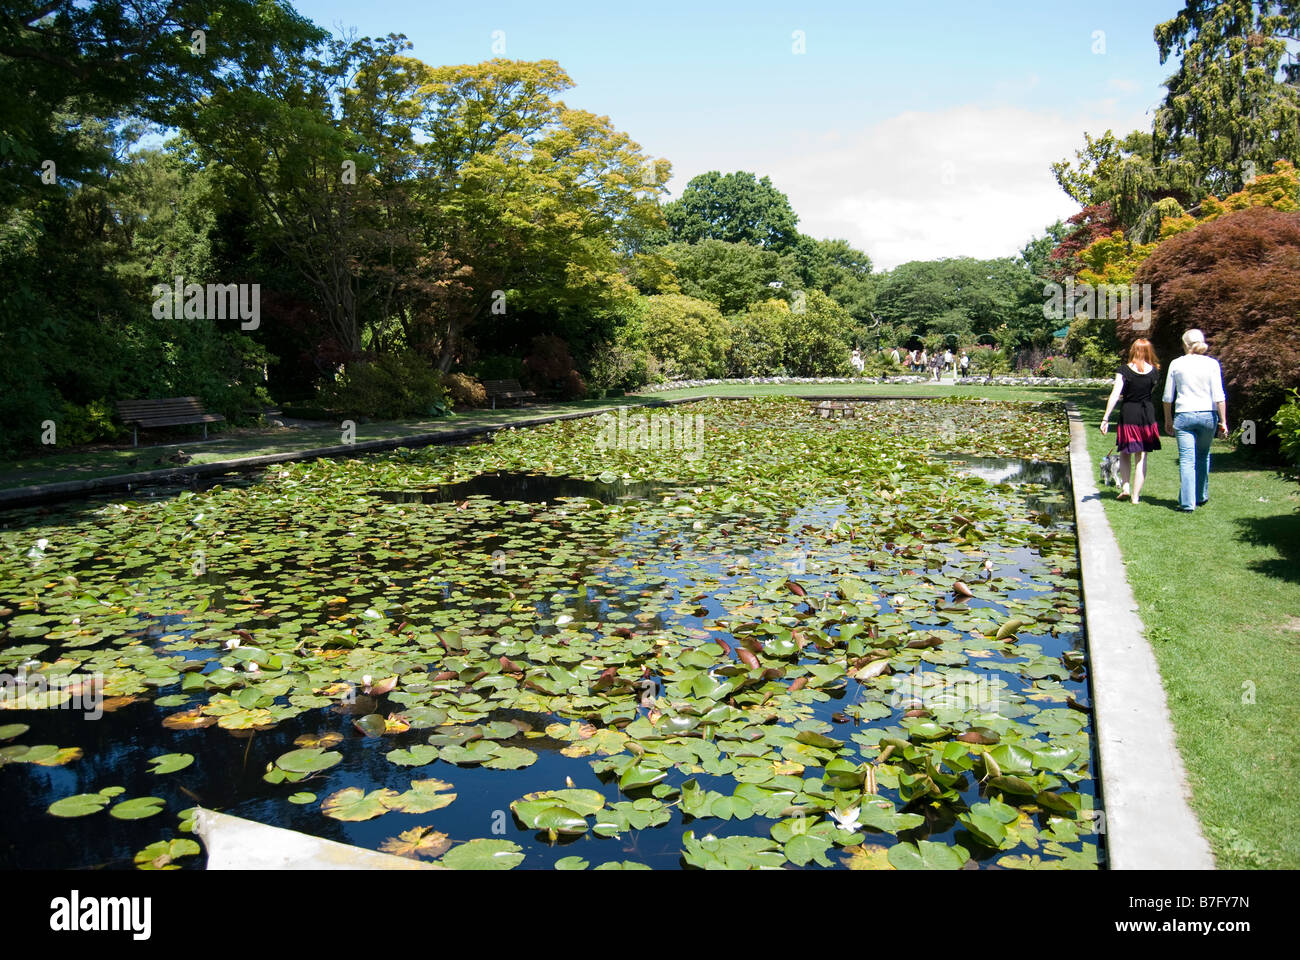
point(251, 667)
point(846, 819)
point(562, 619)
point(232, 643)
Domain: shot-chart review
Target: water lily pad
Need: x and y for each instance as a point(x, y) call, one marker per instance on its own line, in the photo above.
point(511, 758)
point(84, 804)
point(138, 808)
point(352, 804)
point(302, 798)
point(163, 854)
point(927, 856)
point(424, 796)
point(492, 854)
point(417, 842)
point(171, 762)
point(308, 760)
point(417, 756)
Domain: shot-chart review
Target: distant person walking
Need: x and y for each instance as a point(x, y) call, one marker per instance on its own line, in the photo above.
point(895, 357)
point(1137, 433)
point(936, 366)
point(923, 361)
point(1195, 407)
point(857, 361)
point(947, 359)
point(964, 363)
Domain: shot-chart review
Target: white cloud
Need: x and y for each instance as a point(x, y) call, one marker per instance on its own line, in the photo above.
point(967, 181)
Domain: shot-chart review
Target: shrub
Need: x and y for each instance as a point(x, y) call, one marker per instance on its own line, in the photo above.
point(757, 340)
point(495, 366)
point(617, 366)
point(464, 390)
point(1237, 279)
point(880, 365)
point(550, 367)
point(1286, 428)
point(687, 336)
point(388, 387)
point(86, 424)
point(815, 344)
point(988, 361)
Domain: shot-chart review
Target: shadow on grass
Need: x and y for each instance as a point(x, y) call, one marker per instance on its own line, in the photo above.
point(1280, 533)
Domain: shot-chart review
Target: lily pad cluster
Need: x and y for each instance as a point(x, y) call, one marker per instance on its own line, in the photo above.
point(820, 632)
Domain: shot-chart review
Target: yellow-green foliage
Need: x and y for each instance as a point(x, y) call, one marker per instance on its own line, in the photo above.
point(1114, 260)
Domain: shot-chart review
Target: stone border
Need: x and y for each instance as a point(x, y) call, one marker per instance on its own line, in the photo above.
point(1149, 824)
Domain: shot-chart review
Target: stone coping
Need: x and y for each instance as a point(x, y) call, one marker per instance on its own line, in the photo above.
point(1149, 823)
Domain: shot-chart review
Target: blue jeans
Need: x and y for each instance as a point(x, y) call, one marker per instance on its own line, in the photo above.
point(1194, 431)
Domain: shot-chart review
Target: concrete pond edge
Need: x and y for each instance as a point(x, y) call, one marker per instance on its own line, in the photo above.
point(1149, 823)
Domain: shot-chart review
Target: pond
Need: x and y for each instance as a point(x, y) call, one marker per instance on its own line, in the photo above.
point(798, 643)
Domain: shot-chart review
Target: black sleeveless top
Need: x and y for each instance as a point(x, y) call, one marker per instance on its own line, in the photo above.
point(1136, 404)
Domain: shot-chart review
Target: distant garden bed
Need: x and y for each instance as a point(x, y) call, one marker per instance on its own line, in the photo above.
point(981, 381)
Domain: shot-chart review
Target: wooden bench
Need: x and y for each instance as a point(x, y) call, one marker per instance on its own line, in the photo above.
point(169, 412)
point(506, 390)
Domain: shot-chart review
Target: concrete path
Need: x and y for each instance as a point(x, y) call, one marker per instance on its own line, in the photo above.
point(1149, 824)
point(233, 843)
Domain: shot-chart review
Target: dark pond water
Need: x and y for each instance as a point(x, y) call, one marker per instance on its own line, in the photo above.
point(522, 487)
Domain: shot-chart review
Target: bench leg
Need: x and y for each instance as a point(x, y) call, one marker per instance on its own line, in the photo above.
point(135, 437)
point(205, 431)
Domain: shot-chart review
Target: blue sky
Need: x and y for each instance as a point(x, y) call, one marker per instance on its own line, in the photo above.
point(913, 131)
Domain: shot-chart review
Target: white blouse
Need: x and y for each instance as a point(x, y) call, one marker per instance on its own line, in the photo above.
point(1194, 383)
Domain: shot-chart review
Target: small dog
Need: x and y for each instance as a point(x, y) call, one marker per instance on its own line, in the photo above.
point(1110, 470)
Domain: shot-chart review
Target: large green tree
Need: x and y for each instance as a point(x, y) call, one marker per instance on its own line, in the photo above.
point(735, 207)
point(731, 276)
point(1229, 108)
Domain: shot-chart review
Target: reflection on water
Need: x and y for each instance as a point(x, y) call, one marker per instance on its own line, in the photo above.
point(524, 487)
point(1057, 499)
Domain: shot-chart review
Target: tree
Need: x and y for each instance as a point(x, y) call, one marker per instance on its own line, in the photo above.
point(1228, 109)
point(731, 276)
point(105, 59)
point(736, 208)
point(838, 270)
point(1037, 253)
point(962, 298)
point(1237, 278)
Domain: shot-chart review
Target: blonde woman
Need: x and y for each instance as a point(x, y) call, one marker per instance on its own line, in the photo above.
point(1137, 433)
point(1194, 408)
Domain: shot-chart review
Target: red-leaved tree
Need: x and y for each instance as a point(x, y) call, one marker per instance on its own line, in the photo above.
point(1237, 279)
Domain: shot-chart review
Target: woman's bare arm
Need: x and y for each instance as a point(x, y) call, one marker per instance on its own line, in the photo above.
point(1114, 399)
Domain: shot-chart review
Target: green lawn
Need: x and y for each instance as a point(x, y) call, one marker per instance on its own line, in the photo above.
point(1219, 591)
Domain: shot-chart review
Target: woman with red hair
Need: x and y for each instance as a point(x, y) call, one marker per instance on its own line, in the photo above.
point(1137, 433)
